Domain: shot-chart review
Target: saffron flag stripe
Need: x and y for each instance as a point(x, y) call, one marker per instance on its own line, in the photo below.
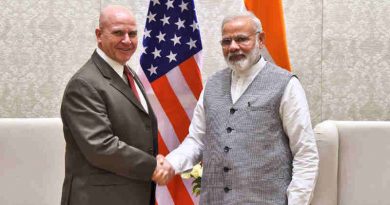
point(192, 76)
point(271, 15)
point(183, 92)
point(164, 126)
point(172, 107)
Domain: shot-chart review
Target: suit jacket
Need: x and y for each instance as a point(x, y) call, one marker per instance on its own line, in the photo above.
point(110, 139)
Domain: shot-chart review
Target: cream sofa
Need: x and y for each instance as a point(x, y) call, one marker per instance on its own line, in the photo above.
point(354, 163)
point(354, 166)
point(31, 161)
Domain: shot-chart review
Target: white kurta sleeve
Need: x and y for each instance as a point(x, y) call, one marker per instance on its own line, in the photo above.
point(294, 112)
point(189, 153)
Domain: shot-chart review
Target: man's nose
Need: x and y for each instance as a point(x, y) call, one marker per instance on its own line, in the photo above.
point(126, 39)
point(233, 46)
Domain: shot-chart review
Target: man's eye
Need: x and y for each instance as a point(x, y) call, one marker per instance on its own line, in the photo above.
point(118, 33)
point(132, 34)
point(241, 39)
point(226, 41)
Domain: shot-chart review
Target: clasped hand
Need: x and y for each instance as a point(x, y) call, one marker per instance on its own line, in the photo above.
point(163, 172)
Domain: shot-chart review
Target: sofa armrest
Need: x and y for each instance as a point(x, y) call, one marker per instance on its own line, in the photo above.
point(327, 139)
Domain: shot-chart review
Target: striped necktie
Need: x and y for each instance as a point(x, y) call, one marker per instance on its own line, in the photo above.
point(130, 79)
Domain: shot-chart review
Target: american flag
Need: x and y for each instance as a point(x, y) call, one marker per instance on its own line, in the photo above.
point(170, 62)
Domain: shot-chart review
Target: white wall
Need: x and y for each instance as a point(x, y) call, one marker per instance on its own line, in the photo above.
point(339, 49)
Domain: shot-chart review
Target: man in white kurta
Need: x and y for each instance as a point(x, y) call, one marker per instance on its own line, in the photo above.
point(242, 40)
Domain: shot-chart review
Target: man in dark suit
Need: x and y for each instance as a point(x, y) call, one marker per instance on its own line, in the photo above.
point(109, 126)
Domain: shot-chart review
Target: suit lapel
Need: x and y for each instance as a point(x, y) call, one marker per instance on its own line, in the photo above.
point(140, 85)
point(151, 113)
point(116, 81)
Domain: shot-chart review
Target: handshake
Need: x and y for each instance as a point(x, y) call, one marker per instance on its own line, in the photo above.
point(164, 171)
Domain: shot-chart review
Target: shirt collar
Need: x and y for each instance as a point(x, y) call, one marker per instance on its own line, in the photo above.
point(118, 68)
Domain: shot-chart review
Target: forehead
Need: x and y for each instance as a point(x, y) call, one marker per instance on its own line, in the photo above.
point(241, 25)
point(121, 20)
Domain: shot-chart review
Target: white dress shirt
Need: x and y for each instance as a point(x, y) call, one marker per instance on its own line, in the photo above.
point(294, 112)
point(118, 68)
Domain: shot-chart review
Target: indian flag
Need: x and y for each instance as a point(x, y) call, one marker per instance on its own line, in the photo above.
point(271, 16)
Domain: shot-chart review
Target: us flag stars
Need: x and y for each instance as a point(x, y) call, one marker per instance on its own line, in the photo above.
point(192, 43)
point(171, 36)
point(180, 24)
point(171, 56)
point(156, 53)
point(155, 2)
point(176, 40)
point(152, 70)
point(151, 17)
point(183, 6)
point(171, 61)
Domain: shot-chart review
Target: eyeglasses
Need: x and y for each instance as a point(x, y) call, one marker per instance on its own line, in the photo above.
point(242, 40)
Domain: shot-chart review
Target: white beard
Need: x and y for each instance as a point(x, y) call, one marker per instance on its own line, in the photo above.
point(245, 63)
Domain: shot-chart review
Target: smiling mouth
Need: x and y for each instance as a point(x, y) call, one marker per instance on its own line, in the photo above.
point(124, 49)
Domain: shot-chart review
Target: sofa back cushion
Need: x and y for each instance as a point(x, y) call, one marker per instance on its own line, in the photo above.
point(354, 162)
point(31, 161)
point(364, 163)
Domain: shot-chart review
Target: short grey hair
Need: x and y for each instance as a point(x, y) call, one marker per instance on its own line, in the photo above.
point(244, 14)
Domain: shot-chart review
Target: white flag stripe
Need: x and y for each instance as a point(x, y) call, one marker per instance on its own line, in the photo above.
point(164, 125)
point(188, 102)
point(175, 91)
point(163, 197)
point(188, 184)
point(169, 137)
point(183, 92)
point(199, 60)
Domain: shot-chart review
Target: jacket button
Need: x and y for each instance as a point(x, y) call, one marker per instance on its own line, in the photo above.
point(229, 129)
point(232, 111)
point(226, 169)
point(226, 149)
point(226, 189)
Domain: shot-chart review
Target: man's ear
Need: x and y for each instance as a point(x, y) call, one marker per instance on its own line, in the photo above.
point(98, 33)
point(261, 38)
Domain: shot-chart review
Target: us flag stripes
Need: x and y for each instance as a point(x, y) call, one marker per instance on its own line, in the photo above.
point(170, 62)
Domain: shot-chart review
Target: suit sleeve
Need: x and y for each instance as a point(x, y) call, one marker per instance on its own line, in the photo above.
point(84, 113)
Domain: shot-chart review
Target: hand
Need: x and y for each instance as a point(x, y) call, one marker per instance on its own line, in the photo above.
point(163, 172)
